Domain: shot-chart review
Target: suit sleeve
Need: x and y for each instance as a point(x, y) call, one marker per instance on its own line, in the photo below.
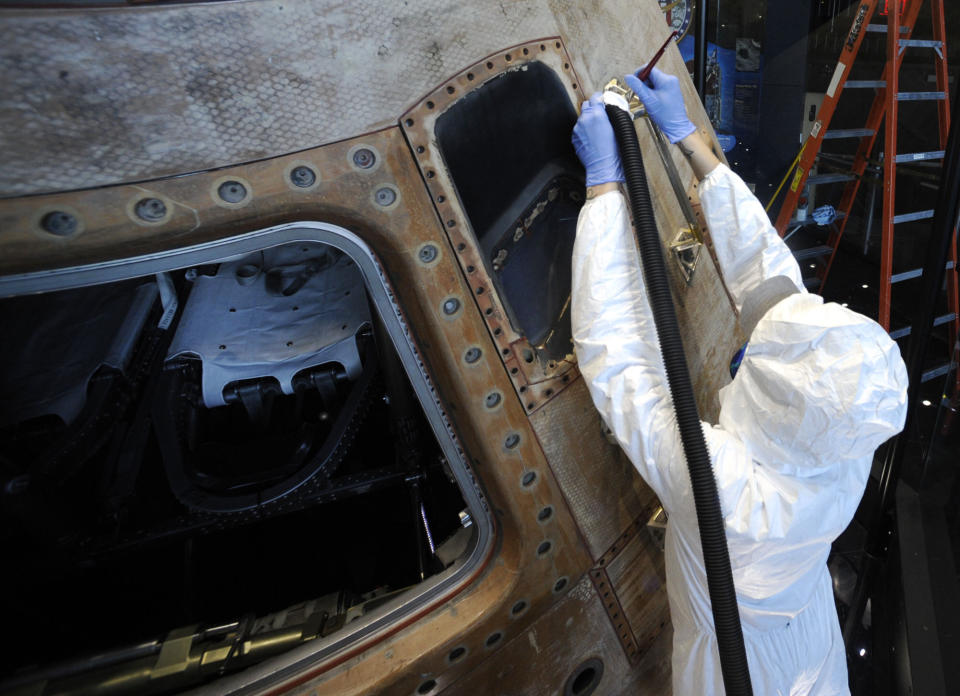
point(617, 348)
point(748, 247)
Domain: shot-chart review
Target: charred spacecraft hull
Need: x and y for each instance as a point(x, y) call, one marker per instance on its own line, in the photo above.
point(290, 404)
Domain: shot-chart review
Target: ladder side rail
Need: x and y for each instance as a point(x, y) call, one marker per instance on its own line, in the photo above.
point(889, 164)
point(943, 113)
point(943, 80)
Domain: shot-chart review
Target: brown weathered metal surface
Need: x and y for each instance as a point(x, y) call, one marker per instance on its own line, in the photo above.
point(652, 675)
point(614, 611)
point(601, 486)
point(547, 643)
point(642, 596)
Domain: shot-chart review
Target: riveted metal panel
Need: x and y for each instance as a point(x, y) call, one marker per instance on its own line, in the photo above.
point(604, 491)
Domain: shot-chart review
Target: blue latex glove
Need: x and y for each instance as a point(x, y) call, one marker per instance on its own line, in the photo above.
point(664, 103)
point(595, 145)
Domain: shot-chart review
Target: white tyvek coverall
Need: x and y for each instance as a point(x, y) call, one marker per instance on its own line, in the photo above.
point(819, 389)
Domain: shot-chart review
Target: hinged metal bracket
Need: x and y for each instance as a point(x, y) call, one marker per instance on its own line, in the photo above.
point(657, 526)
point(686, 250)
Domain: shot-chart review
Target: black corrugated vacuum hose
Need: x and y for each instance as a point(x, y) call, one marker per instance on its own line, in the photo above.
point(713, 538)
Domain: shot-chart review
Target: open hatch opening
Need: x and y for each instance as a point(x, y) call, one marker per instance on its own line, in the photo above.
point(507, 147)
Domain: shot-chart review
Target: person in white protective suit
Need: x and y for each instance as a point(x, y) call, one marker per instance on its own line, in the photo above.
point(819, 388)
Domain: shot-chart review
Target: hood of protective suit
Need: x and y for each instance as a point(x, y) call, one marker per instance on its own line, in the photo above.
point(819, 385)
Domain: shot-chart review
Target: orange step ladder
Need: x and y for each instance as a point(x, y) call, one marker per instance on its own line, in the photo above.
point(883, 111)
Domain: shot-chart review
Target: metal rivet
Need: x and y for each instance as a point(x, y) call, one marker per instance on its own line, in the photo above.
point(544, 548)
point(451, 306)
point(60, 223)
point(428, 253)
point(427, 686)
point(409, 122)
point(493, 639)
point(385, 196)
point(513, 439)
point(559, 585)
point(232, 191)
point(364, 158)
point(472, 355)
point(527, 355)
point(528, 479)
point(545, 513)
point(457, 653)
point(303, 176)
point(493, 398)
point(519, 607)
point(150, 209)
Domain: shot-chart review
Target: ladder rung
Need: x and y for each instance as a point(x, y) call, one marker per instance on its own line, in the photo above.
point(847, 133)
point(936, 372)
point(906, 275)
point(812, 252)
point(910, 217)
point(920, 43)
point(882, 28)
point(864, 84)
point(939, 321)
point(914, 273)
point(917, 156)
point(829, 178)
point(921, 96)
point(900, 333)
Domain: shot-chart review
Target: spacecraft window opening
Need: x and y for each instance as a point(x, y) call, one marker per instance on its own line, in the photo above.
point(217, 418)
